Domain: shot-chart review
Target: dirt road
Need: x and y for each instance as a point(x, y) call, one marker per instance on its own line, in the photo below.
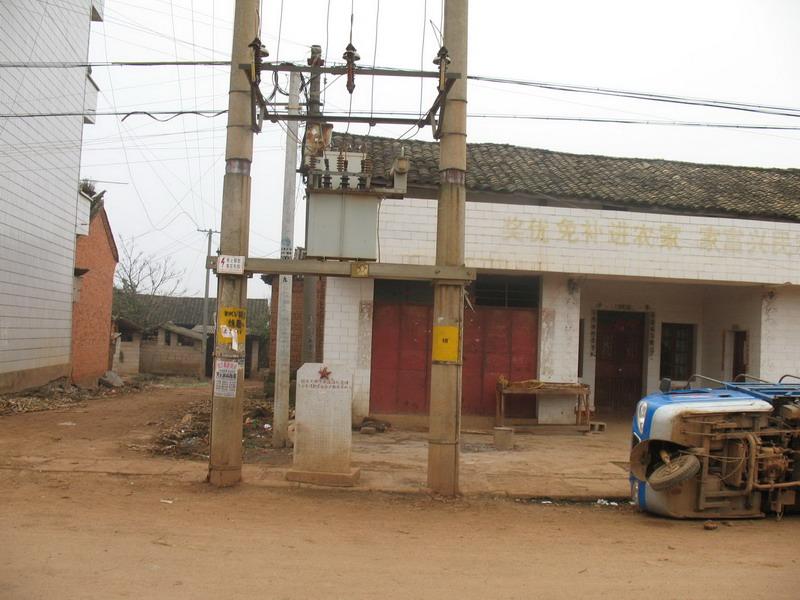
point(77, 534)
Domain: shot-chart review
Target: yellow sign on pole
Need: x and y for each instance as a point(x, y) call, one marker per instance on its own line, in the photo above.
point(445, 343)
point(232, 326)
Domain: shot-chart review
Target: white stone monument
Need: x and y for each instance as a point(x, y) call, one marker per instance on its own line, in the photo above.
point(323, 426)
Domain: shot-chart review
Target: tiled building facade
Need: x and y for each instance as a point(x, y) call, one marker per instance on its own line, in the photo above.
point(642, 270)
point(39, 175)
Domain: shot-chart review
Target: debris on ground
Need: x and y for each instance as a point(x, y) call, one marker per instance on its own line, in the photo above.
point(374, 425)
point(187, 436)
point(604, 502)
point(112, 380)
point(61, 393)
point(710, 525)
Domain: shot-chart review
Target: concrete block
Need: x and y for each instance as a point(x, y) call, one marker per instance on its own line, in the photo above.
point(504, 438)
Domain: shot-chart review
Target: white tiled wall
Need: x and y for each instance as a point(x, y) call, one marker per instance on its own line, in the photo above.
point(39, 169)
point(600, 242)
point(348, 334)
point(780, 334)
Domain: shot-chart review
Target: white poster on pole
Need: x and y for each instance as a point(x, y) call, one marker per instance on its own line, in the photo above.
point(225, 373)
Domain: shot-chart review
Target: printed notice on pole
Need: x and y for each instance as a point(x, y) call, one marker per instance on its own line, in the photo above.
point(225, 378)
point(230, 265)
point(232, 326)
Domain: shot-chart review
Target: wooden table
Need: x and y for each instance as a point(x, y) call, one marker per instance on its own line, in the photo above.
point(534, 387)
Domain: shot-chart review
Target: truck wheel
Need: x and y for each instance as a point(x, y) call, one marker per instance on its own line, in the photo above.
point(681, 468)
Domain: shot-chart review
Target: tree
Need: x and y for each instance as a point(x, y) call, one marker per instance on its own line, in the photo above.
point(141, 282)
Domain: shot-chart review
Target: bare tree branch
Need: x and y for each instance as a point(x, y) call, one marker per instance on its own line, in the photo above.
point(141, 281)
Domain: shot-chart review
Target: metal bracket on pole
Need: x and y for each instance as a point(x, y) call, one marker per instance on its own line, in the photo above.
point(336, 268)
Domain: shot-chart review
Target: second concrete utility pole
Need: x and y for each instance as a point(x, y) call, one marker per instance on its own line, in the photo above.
point(448, 299)
point(283, 344)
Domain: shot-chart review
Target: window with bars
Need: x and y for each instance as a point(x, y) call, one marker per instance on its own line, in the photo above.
point(677, 350)
point(509, 292)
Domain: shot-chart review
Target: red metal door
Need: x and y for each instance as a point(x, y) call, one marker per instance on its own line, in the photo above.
point(401, 364)
point(497, 341)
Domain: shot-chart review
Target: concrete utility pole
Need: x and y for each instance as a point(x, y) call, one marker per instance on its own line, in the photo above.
point(225, 461)
point(311, 282)
point(448, 303)
point(280, 419)
point(209, 233)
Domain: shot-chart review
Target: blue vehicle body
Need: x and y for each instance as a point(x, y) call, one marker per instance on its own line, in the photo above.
point(723, 427)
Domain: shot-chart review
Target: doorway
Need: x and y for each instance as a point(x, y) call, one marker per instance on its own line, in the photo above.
point(739, 353)
point(620, 362)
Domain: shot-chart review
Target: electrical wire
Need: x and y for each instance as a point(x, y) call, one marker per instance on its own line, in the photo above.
point(280, 29)
point(180, 96)
point(708, 103)
point(374, 62)
point(325, 56)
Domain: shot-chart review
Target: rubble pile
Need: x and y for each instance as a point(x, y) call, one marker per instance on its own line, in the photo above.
point(57, 394)
point(188, 437)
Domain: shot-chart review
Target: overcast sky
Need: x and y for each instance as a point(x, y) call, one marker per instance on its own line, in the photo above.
point(727, 50)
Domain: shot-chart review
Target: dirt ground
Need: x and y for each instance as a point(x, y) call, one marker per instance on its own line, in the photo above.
point(86, 513)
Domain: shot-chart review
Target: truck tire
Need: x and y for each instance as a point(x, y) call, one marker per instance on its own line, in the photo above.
point(680, 468)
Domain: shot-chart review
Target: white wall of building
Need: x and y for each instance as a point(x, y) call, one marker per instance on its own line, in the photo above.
point(39, 172)
point(347, 337)
point(725, 311)
point(780, 334)
point(550, 239)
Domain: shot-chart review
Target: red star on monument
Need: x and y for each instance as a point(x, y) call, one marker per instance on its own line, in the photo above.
point(324, 373)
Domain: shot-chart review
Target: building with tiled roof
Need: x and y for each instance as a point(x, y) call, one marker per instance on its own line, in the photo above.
point(613, 272)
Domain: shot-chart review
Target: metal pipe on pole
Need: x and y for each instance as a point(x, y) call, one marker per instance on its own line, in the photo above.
point(311, 282)
point(448, 304)
point(280, 420)
point(225, 457)
point(209, 233)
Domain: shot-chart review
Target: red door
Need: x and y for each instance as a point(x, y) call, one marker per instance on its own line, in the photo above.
point(401, 363)
point(497, 341)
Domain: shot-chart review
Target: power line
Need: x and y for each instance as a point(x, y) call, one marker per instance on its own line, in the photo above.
point(152, 114)
point(215, 113)
point(129, 63)
point(668, 98)
point(709, 103)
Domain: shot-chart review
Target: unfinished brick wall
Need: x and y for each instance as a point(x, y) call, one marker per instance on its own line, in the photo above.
point(162, 359)
point(91, 313)
point(297, 322)
point(126, 356)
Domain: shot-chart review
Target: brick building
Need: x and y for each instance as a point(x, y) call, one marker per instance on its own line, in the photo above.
point(40, 206)
point(171, 341)
point(610, 271)
point(96, 260)
point(298, 317)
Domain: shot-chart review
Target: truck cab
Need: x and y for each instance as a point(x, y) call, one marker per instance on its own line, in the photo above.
point(725, 451)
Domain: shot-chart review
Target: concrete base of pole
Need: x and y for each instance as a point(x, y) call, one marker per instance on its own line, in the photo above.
point(443, 468)
point(224, 477)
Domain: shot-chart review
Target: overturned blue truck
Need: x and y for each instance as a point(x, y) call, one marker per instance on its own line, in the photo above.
point(731, 450)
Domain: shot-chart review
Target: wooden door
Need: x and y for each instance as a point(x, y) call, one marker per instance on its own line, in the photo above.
point(620, 362)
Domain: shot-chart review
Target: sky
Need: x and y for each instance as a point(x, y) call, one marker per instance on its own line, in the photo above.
point(164, 180)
